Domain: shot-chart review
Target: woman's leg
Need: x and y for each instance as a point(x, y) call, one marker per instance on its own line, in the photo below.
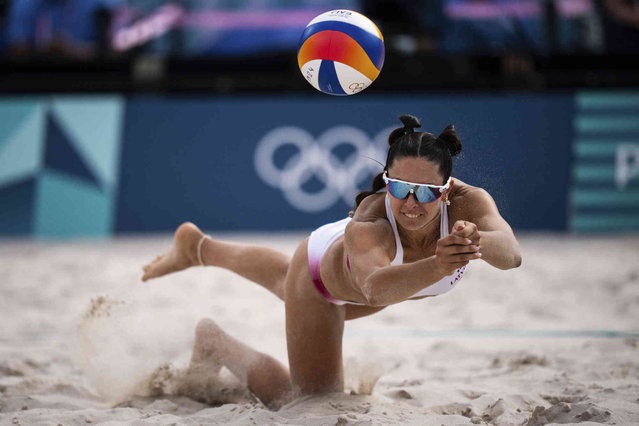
point(314, 329)
point(262, 265)
point(267, 378)
point(314, 326)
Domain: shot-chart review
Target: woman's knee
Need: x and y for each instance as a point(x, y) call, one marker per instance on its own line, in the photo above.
point(206, 328)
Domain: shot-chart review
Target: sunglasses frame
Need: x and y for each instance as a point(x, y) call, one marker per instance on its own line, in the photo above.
point(413, 190)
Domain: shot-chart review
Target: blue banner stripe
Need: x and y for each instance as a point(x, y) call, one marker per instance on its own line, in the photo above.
point(596, 150)
point(609, 111)
point(594, 210)
point(611, 124)
point(605, 222)
point(603, 160)
point(631, 135)
point(605, 122)
point(582, 140)
point(372, 45)
point(327, 79)
point(631, 185)
point(610, 198)
point(588, 100)
point(601, 173)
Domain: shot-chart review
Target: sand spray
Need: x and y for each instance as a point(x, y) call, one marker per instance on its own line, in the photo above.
point(138, 341)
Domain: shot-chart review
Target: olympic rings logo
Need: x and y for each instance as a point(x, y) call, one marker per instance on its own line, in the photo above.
point(357, 87)
point(340, 175)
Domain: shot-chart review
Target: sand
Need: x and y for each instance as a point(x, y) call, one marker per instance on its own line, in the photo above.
point(84, 341)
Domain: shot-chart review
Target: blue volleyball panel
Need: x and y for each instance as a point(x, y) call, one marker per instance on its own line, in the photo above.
point(68, 207)
point(327, 79)
point(16, 212)
point(372, 45)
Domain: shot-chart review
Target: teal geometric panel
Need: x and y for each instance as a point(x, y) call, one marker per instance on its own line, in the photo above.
point(69, 207)
point(605, 172)
point(12, 112)
point(606, 100)
point(21, 145)
point(93, 126)
point(598, 122)
point(61, 155)
point(17, 208)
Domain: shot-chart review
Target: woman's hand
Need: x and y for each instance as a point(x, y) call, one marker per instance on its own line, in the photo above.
point(467, 229)
point(458, 248)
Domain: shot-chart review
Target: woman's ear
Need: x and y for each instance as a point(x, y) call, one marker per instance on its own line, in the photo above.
point(447, 192)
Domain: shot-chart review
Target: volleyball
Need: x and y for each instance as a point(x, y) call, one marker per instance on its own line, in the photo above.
point(341, 52)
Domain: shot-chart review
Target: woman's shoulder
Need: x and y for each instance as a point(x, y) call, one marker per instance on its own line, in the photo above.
point(371, 208)
point(463, 191)
point(468, 200)
point(369, 223)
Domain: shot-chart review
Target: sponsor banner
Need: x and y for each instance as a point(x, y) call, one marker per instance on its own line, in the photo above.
point(288, 163)
point(605, 175)
point(98, 165)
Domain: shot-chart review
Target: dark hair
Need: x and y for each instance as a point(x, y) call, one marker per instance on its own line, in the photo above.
point(405, 142)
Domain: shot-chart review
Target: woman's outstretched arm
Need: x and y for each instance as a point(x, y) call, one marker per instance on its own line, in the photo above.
point(486, 228)
point(484, 235)
point(370, 246)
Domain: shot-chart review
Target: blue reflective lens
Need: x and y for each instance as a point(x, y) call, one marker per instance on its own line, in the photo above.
point(423, 193)
point(399, 189)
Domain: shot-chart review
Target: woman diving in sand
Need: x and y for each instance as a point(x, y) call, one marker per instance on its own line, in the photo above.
point(398, 245)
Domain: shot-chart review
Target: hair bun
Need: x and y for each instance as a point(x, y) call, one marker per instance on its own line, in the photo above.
point(410, 122)
point(450, 138)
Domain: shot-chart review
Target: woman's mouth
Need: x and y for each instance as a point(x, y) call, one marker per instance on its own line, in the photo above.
point(411, 215)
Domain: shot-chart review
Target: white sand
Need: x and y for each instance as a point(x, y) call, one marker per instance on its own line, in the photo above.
point(83, 341)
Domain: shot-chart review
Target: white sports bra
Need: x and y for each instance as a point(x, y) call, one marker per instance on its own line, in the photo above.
point(445, 284)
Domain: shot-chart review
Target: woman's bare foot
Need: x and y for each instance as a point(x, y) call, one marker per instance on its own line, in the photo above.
point(182, 255)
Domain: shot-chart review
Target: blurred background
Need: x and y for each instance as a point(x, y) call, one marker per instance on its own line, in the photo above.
point(132, 116)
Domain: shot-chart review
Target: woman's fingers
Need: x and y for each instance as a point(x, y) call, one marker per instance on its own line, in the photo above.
point(460, 247)
point(464, 249)
point(465, 229)
point(454, 257)
point(453, 239)
point(461, 228)
point(464, 256)
point(456, 249)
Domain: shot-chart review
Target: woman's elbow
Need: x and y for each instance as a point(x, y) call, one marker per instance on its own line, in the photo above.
point(517, 260)
point(514, 260)
point(508, 262)
point(375, 302)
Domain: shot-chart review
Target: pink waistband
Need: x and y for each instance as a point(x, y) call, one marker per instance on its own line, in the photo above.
point(314, 267)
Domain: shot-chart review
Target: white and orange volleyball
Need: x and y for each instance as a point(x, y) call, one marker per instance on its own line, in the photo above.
point(341, 52)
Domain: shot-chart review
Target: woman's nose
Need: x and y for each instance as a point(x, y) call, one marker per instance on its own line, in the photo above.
point(411, 200)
